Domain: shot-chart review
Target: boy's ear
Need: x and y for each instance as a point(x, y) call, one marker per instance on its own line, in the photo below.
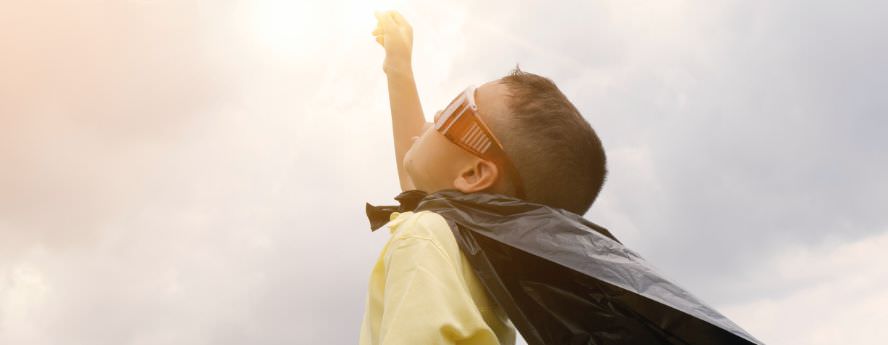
point(477, 176)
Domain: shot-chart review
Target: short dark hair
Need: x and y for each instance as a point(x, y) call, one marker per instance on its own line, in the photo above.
point(557, 153)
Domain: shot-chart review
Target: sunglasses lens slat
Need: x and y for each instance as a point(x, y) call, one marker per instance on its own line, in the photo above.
point(483, 140)
point(480, 139)
point(468, 135)
point(472, 134)
point(485, 147)
point(476, 139)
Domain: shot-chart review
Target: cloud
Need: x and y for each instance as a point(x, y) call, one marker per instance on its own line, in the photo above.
point(827, 295)
point(92, 97)
point(175, 181)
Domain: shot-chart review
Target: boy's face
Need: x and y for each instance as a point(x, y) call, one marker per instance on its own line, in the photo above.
point(434, 163)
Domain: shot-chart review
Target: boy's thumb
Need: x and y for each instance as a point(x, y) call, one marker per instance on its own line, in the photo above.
point(383, 19)
point(379, 16)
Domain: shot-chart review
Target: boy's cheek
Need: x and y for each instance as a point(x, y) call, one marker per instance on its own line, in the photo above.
point(407, 161)
point(408, 164)
point(410, 150)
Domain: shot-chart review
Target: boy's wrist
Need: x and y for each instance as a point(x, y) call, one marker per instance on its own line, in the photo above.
point(398, 70)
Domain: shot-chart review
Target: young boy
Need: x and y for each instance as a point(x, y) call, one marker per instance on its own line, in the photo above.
point(422, 289)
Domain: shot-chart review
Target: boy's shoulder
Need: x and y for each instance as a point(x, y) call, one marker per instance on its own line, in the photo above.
point(423, 225)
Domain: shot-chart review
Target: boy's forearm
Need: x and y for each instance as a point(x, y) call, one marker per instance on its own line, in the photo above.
point(407, 117)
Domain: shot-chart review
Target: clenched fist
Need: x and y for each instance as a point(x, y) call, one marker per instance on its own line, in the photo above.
point(395, 35)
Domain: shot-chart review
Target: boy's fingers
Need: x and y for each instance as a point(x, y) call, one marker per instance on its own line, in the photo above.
point(379, 19)
point(399, 18)
point(385, 20)
point(380, 40)
point(377, 31)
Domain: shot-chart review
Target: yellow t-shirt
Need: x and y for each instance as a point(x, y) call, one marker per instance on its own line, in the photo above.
point(423, 290)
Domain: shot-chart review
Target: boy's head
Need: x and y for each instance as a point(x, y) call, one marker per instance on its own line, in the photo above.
point(558, 156)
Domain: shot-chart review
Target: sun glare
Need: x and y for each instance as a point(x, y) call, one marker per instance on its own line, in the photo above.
point(297, 28)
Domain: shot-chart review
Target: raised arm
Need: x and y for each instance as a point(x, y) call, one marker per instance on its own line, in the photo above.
point(395, 35)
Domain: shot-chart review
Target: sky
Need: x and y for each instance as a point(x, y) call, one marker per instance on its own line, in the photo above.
point(195, 172)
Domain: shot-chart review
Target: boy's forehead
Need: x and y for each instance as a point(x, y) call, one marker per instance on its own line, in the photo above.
point(491, 99)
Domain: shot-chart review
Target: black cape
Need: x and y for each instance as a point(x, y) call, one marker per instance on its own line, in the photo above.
point(564, 280)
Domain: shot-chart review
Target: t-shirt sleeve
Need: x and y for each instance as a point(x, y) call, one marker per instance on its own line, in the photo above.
point(426, 301)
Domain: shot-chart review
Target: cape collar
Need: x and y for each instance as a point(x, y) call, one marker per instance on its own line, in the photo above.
point(410, 200)
point(379, 215)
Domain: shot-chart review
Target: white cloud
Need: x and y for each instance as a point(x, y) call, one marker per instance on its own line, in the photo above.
point(829, 295)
